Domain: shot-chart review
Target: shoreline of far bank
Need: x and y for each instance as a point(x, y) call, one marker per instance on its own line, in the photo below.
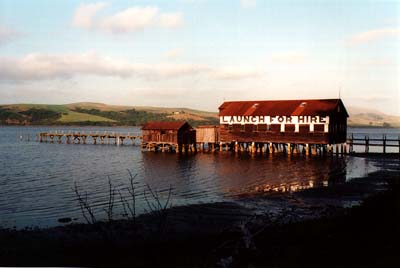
point(209, 234)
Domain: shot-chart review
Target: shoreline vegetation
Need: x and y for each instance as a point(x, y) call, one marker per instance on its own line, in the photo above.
point(351, 224)
point(98, 114)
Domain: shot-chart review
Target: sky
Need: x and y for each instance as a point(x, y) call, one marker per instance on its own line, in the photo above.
point(199, 53)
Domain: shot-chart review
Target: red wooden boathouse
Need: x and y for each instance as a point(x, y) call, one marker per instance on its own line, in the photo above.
point(317, 122)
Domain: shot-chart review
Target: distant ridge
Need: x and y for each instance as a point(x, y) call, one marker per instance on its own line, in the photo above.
point(369, 117)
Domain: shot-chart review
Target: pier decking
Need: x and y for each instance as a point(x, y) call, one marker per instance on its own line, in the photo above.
point(364, 143)
point(96, 137)
point(367, 142)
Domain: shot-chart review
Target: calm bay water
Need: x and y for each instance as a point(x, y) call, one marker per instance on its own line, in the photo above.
point(36, 179)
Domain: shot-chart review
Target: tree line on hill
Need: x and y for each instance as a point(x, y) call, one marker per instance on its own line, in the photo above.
point(34, 116)
point(130, 117)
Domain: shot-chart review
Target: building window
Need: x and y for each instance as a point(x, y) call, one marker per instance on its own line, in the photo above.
point(230, 128)
point(290, 128)
point(304, 128)
point(242, 128)
point(249, 127)
point(275, 127)
point(318, 128)
point(261, 127)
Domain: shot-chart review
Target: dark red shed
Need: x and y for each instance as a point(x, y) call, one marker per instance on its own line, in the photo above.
point(174, 132)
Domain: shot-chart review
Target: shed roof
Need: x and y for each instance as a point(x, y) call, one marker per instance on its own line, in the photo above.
point(321, 107)
point(171, 125)
point(207, 126)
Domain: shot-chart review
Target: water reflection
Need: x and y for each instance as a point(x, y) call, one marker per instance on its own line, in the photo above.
point(36, 180)
point(226, 175)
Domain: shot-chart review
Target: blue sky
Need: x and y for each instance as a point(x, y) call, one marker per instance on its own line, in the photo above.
point(198, 53)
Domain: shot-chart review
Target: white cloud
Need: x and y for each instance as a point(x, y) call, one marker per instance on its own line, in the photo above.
point(37, 66)
point(230, 73)
point(289, 57)
point(173, 53)
point(85, 13)
point(248, 3)
point(377, 62)
point(171, 20)
point(371, 98)
point(373, 35)
point(128, 20)
point(7, 34)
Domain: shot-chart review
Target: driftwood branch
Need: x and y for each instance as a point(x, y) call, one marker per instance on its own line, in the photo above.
point(111, 199)
point(84, 205)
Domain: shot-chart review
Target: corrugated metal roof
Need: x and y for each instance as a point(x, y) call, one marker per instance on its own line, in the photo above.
point(171, 125)
point(207, 126)
point(281, 107)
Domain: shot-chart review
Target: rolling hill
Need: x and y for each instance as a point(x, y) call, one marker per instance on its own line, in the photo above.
point(89, 113)
point(364, 117)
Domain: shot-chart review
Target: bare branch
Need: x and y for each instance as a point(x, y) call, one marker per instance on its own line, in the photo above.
point(84, 205)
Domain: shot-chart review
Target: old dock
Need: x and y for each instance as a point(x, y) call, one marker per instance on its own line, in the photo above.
point(95, 137)
point(366, 141)
point(207, 140)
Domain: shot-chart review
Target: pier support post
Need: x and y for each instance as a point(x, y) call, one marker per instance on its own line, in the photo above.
point(295, 149)
point(314, 149)
point(384, 144)
point(253, 148)
point(330, 149)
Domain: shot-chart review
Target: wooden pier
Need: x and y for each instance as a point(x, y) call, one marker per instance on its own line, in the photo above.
point(96, 137)
point(364, 142)
point(367, 142)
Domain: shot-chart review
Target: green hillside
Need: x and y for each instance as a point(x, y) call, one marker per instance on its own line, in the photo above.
point(97, 114)
point(73, 117)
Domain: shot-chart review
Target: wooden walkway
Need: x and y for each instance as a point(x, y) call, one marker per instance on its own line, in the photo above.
point(95, 137)
point(363, 142)
point(368, 142)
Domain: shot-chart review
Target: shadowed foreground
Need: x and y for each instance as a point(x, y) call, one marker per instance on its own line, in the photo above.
point(230, 235)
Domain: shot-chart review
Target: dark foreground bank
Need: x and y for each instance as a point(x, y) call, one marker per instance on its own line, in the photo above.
point(314, 230)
